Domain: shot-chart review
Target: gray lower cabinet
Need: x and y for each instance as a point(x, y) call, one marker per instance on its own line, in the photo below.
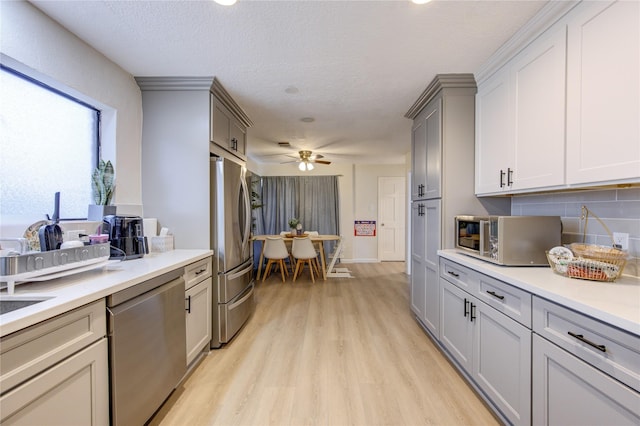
point(198, 301)
point(424, 263)
point(491, 348)
point(57, 372)
point(584, 371)
point(568, 391)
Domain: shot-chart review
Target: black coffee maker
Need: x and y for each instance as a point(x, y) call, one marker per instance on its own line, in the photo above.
point(126, 236)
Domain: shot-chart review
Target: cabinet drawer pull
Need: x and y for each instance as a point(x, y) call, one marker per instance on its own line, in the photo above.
point(493, 293)
point(201, 271)
point(466, 307)
point(580, 337)
point(453, 273)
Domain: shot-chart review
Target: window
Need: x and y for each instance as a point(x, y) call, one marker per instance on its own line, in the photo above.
point(49, 142)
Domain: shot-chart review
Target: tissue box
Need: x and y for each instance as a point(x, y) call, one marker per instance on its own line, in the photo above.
point(160, 244)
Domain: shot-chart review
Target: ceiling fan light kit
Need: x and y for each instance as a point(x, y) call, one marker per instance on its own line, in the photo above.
point(305, 166)
point(307, 159)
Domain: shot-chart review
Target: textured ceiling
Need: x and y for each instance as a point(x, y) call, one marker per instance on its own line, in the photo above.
point(354, 66)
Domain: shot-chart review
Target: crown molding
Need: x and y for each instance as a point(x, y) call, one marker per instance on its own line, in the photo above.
point(439, 83)
point(211, 84)
point(551, 13)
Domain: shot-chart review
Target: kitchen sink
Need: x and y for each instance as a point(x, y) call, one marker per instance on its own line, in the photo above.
point(12, 303)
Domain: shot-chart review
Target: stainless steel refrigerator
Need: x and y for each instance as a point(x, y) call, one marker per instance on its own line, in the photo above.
point(231, 242)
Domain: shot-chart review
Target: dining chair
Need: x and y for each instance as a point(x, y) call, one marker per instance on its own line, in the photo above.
point(314, 234)
point(275, 251)
point(284, 234)
point(302, 250)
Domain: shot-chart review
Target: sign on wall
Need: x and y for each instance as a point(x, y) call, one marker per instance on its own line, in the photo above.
point(365, 228)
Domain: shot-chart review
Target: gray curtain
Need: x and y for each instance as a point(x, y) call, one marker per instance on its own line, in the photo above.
point(312, 199)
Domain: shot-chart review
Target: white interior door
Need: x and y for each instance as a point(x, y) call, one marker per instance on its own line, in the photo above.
point(391, 218)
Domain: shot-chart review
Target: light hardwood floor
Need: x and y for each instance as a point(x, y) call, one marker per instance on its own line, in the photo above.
point(345, 351)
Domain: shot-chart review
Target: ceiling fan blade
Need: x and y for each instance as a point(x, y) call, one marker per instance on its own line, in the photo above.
point(316, 156)
point(321, 162)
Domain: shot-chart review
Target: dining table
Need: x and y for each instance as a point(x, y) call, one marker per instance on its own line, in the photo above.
point(315, 239)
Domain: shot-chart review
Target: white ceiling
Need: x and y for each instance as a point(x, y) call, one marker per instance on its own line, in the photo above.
point(357, 65)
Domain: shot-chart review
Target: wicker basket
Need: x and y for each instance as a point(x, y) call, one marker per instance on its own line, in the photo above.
point(606, 268)
point(589, 261)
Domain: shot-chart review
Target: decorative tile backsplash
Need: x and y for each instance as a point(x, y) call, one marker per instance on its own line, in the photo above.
point(619, 209)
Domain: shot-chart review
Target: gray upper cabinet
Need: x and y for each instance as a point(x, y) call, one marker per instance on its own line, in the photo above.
point(442, 183)
point(229, 122)
point(179, 123)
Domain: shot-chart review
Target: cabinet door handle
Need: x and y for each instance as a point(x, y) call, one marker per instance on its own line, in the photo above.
point(502, 178)
point(188, 307)
point(466, 307)
point(473, 312)
point(580, 337)
point(493, 293)
point(509, 176)
point(453, 274)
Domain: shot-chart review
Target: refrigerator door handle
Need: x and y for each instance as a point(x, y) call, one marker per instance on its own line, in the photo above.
point(247, 215)
point(240, 273)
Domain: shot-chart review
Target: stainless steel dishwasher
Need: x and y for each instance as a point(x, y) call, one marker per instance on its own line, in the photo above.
point(147, 346)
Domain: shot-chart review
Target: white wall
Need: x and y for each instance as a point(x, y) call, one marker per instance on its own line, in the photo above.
point(35, 40)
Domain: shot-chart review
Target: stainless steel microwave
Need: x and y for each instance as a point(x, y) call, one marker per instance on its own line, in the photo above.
point(508, 240)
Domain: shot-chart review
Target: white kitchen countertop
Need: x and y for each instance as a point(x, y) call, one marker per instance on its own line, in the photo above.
point(616, 303)
point(77, 290)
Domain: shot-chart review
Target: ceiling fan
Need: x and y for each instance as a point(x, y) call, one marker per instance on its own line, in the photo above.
point(307, 160)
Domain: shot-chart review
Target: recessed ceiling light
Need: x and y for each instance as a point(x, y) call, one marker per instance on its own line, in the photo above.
point(291, 90)
point(420, 1)
point(225, 2)
point(307, 119)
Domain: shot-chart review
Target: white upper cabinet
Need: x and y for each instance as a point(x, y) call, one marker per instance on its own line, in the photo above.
point(603, 111)
point(520, 120)
point(538, 90)
point(563, 110)
point(493, 117)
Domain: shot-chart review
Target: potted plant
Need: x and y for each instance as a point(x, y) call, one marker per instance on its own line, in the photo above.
point(293, 224)
point(102, 186)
